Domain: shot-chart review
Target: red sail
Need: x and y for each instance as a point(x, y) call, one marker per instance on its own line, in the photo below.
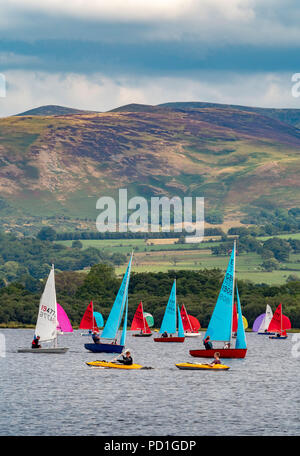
point(190, 323)
point(88, 320)
point(195, 323)
point(147, 330)
point(185, 320)
point(275, 323)
point(139, 321)
point(279, 322)
point(234, 319)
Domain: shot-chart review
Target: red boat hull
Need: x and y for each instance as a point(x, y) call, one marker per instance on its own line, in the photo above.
point(168, 339)
point(224, 353)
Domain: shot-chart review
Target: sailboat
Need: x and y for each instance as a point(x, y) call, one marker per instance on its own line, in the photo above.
point(139, 322)
point(265, 322)
point(88, 320)
point(169, 321)
point(190, 324)
point(279, 324)
point(220, 325)
point(46, 325)
point(114, 320)
point(63, 322)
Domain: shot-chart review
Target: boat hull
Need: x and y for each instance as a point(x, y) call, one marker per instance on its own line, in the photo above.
point(110, 365)
point(168, 339)
point(224, 353)
point(198, 366)
point(190, 334)
point(104, 348)
point(57, 350)
point(265, 334)
point(280, 337)
point(141, 335)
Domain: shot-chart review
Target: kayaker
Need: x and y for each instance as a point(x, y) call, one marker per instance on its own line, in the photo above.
point(207, 343)
point(127, 359)
point(216, 359)
point(35, 342)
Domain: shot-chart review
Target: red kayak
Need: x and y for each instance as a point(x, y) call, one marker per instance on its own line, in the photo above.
point(224, 353)
point(168, 339)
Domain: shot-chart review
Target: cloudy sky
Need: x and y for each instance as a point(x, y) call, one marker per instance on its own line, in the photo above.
point(100, 54)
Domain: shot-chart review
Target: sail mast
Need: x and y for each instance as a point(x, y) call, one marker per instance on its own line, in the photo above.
point(175, 305)
point(233, 280)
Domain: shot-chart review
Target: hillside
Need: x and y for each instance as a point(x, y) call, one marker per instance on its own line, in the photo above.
point(61, 164)
point(52, 110)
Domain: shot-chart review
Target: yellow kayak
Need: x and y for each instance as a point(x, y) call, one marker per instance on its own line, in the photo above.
point(107, 365)
point(198, 366)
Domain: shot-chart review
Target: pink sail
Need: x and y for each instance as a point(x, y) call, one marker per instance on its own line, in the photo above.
point(63, 322)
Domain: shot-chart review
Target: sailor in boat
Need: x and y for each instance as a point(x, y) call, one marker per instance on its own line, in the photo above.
point(35, 342)
point(207, 343)
point(126, 359)
point(164, 334)
point(216, 359)
point(96, 337)
point(227, 345)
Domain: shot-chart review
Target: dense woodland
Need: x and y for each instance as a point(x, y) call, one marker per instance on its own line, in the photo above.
point(198, 290)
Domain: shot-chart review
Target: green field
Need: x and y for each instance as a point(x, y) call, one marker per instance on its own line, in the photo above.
point(162, 258)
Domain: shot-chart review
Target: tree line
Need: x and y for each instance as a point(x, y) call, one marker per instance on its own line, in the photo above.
point(197, 290)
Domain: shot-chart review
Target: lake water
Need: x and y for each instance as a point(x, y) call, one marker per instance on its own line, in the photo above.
point(61, 395)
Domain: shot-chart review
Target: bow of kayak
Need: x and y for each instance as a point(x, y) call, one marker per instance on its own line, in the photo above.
point(198, 366)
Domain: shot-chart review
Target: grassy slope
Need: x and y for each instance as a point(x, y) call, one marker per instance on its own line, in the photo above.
point(60, 165)
point(155, 258)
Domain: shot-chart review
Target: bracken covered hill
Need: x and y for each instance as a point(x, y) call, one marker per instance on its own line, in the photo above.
point(61, 162)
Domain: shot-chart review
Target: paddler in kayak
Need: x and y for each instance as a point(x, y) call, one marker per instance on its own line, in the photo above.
point(216, 359)
point(126, 359)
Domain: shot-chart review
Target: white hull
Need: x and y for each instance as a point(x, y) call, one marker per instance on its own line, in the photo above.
point(56, 350)
point(190, 334)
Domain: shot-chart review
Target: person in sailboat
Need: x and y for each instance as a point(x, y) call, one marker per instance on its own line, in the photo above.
point(126, 359)
point(227, 345)
point(96, 337)
point(216, 359)
point(164, 334)
point(35, 342)
point(207, 343)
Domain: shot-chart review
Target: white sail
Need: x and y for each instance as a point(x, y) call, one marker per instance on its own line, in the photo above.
point(47, 317)
point(266, 321)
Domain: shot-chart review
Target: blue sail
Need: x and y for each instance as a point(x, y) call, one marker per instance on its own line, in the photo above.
point(219, 328)
point(99, 319)
point(124, 332)
point(114, 319)
point(180, 325)
point(241, 336)
point(169, 320)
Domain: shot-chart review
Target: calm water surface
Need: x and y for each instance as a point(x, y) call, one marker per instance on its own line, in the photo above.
point(61, 395)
